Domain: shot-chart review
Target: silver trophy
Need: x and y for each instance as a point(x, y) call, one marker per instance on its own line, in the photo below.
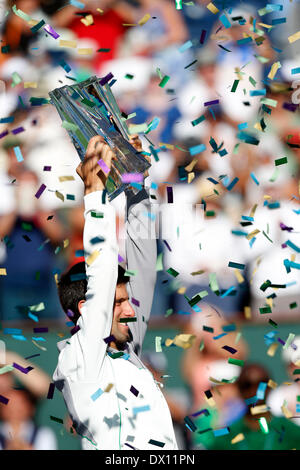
point(88, 109)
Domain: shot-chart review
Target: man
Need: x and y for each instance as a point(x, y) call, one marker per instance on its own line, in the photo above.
point(111, 396)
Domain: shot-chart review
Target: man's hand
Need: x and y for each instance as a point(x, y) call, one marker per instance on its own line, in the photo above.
point(90, 171)
point(135, 141)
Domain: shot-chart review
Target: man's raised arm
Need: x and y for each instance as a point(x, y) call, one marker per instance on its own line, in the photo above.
point(141, 254)
point(86, 351)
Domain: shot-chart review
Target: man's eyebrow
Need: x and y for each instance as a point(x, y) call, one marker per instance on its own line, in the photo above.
point(121, 299)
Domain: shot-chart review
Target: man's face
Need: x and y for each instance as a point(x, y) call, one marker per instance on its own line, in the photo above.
point(122, 309)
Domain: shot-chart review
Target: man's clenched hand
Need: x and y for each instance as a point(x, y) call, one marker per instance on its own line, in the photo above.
point(91, 173)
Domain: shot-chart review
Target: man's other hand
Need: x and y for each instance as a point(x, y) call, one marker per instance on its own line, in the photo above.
point(92, 173)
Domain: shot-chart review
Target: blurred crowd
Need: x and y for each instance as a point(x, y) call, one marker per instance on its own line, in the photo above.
point(216, 92)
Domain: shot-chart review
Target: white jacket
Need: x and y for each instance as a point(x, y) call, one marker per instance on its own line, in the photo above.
point(116, 419)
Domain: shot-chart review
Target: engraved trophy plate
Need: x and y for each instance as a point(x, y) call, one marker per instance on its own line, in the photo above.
point(88, 109)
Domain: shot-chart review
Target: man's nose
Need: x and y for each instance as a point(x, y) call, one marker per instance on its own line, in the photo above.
point(128, 310)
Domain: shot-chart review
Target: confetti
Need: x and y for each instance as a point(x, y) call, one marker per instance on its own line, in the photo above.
point(294, 37)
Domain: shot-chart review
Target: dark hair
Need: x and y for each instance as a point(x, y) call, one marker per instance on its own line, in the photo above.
point(72, 288)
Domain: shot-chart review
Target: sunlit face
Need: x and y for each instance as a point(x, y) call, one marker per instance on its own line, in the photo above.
point(122, 309)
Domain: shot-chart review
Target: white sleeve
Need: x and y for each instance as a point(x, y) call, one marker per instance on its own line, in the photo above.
point(83, 357)
point(45, 440)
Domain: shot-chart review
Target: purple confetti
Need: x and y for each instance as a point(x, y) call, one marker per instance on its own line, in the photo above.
point(285, 227)
point(70, 313)
point(128, 445)
point(75, 329)
point(229, 349)
point(134, 391)
point(209, 103)
point(51, 31)
point(30, 357)
point(47, 168)
point(135, 302)
point(3, 134)
point(103, 166)
point(205, 411)
point(106, 79)
point(290, 106)
point(170, 194)
point(280, 341)
point(22, 369)
point(132, 177)
point(109, 339)
point(167, 245)
point(51, 391)
point(202, 37)
point(120, 259)
point(41, 329)
point(40, 191)
point(4, 400)
point(18, 130)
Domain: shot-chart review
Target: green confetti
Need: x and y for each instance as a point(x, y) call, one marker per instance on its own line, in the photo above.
point(293, 305)
point(164, 81)
point(236, 362)
point(169, 312)
point(172, 272)
point(130, 273)
point(198, 120)
point(129, 76)
point(234, 86)
point(159, 262)
point(252, 81)
point(281, 161)
point(128, 320)
point(207, 328)
point(265, 310)
point(58, 420)
point(213, 283)
point(97, 215)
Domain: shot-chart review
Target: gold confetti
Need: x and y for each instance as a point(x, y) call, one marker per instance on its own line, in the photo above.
point(191, 176)
point(30, 84)
point(60, 196)
point(100, 11)
point(66, 242)
point(294, 37)
point(38, 346)
point(211, 7)
point(239, 276)
point(91, 258)
point(85, 51)
point(181, 290)
point(66, 178)
point(256, 410)
point(287, 413)
point(65, 43)
point(3, 272)
point(238, 438)
point(184, 341)
point(274, 69)
point(108, 388)
point(247, 312)
point(168, 146)
point(272, 384)
point(191, 165)
point(144, 19)
point(252, 234)
point(87, 20)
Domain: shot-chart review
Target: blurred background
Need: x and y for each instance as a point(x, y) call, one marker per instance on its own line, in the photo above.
point(214, 87)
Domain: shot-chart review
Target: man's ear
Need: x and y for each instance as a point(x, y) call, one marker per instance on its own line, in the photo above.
point(80, 304)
